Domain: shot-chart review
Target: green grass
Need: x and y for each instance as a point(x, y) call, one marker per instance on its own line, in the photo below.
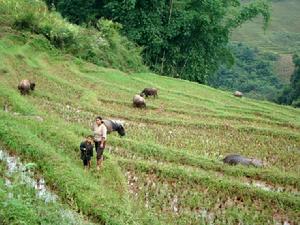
point(103, 46)
point(167, 170)
point(281, 37)
point(18, 198)
point(283, 33)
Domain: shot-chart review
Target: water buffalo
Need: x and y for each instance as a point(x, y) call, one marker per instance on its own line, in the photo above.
point(25, 86)
point(115, 125)
point(139, 101)
point(235, 159)
point(149, 92)
point(238, 94)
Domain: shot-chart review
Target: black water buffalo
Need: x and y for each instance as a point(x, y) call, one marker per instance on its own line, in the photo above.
point(115, 125)
point(235, 159)
point(149, 92)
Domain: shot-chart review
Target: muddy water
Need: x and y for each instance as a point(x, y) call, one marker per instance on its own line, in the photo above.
point(15, 168)
point(266, 187)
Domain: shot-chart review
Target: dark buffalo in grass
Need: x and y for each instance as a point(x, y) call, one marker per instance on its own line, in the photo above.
point(149, 92)
point(235, 159)
point(115, 125)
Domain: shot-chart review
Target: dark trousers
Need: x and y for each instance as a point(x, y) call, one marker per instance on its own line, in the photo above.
point(99, 150)
point(85, 161)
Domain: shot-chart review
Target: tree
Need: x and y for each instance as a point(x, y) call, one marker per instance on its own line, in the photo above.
point(252, 74)
point(77, 11)
point(181, 38)
point(291, 94)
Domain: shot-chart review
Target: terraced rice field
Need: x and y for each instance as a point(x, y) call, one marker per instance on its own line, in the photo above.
point(167, 169)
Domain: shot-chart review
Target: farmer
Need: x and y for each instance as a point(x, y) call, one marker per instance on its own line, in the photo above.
point(86, 148)
point(100, 133)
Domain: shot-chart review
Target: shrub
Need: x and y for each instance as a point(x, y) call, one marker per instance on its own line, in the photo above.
point(103, 45)
point(26, 22)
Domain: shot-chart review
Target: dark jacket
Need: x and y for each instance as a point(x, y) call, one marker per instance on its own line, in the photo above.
point(86, 150)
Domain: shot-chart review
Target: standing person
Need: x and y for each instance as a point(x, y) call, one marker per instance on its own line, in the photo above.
point(100, 132)
point(86, 148)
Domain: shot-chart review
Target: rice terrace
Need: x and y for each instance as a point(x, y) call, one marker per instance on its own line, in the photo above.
point(167, 169)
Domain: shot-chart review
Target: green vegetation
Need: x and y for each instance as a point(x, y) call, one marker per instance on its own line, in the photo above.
point(291, 94)
point(283, 33)
point(282, 38)
point(252, 73)
point(17, 200)
point(185, 39)
point(102, 45)
point(167, 169)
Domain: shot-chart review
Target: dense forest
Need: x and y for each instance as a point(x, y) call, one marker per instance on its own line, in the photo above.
point(184, 39)
point(252, 73)
point(291, 93)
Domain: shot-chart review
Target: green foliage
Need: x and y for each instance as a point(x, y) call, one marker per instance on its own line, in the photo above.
point(20, 204)
point(167, 169)
point(283, 33)
point(291, 94)
point(77, 11)
point(180, 39)
point(252, 74)
point(103, 46)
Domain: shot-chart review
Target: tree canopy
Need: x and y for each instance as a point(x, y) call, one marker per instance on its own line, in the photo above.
point(251, 74)
point(180, 38)
point(291, 94)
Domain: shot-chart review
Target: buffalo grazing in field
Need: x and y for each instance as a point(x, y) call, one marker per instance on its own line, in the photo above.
point(25, 86)
point(138, 101)
point(238, 94)
point(149, 92)
point(235, 159)
point(115, 125)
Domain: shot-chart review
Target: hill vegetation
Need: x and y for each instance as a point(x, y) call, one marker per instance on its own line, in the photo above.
point(185, 39)
point(281, 39)
point(252, 73)
point(102, 44)
point(291, 94)
point(283, 33)
point(167, 169)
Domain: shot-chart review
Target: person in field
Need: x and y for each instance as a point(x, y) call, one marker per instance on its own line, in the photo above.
point(86, 149)
point(100, 134)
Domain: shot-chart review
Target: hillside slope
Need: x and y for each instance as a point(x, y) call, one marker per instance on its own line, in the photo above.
point(167, 170)
point(283, 33)
point(281, 37)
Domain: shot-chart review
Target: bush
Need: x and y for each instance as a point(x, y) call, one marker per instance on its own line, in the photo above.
point(103, 45)
point(296, 103)
point(26, 22)
point(252, 74)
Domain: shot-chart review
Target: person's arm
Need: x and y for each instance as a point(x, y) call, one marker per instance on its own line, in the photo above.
point(103, 138)
point(82, 146)
point(102, 142)
point(92, 150)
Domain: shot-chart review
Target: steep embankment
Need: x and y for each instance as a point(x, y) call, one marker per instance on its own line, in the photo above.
point(167, 169)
